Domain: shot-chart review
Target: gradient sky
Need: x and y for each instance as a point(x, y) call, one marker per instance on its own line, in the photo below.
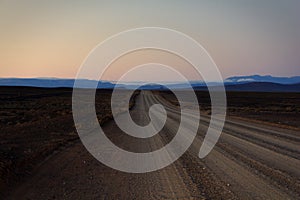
point(51, 38)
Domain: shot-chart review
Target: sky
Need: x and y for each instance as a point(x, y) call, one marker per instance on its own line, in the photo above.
point(40, 38)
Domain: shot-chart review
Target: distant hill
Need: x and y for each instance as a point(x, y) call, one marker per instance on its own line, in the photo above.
point(264, 87)
point(258, 78)
point(258, 87)
point(50, 83)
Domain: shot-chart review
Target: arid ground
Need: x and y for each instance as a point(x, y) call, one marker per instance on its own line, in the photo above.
point(41, 156)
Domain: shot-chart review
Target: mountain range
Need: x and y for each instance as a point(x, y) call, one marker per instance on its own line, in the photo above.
point(258, 78)
point(52, 82)
point(235, 83)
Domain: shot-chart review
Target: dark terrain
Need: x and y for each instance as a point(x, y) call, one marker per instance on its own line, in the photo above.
point(36, 123)
point(42, 157)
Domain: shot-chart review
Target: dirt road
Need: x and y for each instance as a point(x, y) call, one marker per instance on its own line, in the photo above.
point(250, 161)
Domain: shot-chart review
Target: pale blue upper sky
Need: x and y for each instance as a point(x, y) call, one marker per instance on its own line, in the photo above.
point(51, 38)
